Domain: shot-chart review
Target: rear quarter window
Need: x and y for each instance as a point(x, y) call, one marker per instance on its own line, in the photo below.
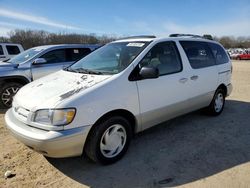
point(75, 54)
point(1, 50)
point(12, 50)
point(198, 53)
point(219, 53)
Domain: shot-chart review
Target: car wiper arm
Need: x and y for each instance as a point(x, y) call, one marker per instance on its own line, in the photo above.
point(87, 71)
point(70, 69)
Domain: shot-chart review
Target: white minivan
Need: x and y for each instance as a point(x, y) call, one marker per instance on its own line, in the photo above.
point(98, 103)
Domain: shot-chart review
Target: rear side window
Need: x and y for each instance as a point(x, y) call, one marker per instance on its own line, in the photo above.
point(219, 53)
point(164, 56)
point(12, 50)
point(199, 54)
point(75, 54)
point(1, 50)
point(55, 56)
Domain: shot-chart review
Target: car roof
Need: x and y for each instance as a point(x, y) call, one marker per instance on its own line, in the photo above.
point(146, 39)
point(9, 43)
point(45, 47)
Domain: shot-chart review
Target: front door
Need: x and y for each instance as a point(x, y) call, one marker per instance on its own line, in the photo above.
point(55, 61)
point(164, 97)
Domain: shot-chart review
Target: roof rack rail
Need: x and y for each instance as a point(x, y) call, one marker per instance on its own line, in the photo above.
point(140, 36)
point(205, 36)
point(185, 35)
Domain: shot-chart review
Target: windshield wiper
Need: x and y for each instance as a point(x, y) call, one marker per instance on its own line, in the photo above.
point(84, 71)
point(89, 71)
point(68, 69)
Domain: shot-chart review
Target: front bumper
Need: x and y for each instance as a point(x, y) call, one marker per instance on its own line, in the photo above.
point(229, 89)
point(65, 143)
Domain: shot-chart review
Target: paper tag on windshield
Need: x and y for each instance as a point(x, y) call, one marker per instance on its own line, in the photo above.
point(38, 49)
point(76, 51)
point(135, 44)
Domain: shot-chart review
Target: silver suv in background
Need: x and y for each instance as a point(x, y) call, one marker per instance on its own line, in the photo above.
point(35, 63)
point(9, 50)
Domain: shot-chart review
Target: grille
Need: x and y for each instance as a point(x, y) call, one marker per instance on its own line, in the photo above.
point(21, 113)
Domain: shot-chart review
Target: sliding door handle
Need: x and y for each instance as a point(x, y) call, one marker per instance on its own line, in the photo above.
point(195, 77)
point(183, 80)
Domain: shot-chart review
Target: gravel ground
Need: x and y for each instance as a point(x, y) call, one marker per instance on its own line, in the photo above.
point(190, 151)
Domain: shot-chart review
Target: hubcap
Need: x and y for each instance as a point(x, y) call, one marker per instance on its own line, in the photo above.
point(8, 94)
point(113, 141)
point(219, 101)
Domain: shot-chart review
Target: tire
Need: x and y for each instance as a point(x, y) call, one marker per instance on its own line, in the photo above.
point(7, 92)
point(217, 105)
point(109, 140)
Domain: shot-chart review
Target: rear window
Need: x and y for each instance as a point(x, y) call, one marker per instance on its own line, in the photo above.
point(198, 53)
point(75, 54)
point(12, 50)
point(1, 50)
point(219, 53)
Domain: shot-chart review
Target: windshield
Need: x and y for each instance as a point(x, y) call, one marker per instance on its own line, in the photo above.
point(109, 59)
point(24, 56)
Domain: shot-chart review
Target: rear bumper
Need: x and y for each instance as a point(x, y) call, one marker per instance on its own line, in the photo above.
point(229, 89)
point(64, 143)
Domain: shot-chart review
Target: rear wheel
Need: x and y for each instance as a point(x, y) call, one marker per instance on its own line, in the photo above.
point(109, 140)
point(7, 92)
point(217, 104)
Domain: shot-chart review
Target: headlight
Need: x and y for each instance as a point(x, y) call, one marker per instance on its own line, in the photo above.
point(54, 117)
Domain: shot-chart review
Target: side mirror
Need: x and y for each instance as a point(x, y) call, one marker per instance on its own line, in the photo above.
point(149, 72)
point(40, 61)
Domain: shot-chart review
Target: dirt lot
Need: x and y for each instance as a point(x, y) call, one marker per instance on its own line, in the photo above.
point(190, 151)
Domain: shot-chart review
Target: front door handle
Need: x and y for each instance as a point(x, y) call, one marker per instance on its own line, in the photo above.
point(183, 80)
point(195, 77)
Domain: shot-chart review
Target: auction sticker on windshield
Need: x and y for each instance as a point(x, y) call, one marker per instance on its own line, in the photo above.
point(136, 44)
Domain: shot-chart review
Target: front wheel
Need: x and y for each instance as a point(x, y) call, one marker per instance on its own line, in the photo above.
point(7, 92)
point(217, 104)
point(109, 140)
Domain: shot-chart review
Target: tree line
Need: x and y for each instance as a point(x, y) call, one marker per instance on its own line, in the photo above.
point(31, 38)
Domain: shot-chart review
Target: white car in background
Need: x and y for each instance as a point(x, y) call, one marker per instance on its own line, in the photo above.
point(9, 50)
point(122, 88)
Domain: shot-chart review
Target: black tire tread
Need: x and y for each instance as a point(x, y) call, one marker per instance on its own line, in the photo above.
point(3, 87)
point(210, 109)
point(94, 137)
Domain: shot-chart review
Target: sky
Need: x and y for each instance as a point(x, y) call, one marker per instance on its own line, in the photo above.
point(128, 17)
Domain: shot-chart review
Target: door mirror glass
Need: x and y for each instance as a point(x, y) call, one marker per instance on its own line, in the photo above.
point(40, 61)
point(149, 72)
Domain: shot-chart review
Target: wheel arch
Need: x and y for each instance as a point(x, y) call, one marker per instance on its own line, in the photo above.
point(18, 79)
point(118, 112)
point(223, 87)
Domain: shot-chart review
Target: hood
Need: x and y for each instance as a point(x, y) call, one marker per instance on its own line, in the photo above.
point(49, 91)
point(6, 66)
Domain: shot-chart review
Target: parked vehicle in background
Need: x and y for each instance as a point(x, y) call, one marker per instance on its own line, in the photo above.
point(35, 63)
point(239, 53)
point(97, 104)
point(243, 56)
point(9, 50)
